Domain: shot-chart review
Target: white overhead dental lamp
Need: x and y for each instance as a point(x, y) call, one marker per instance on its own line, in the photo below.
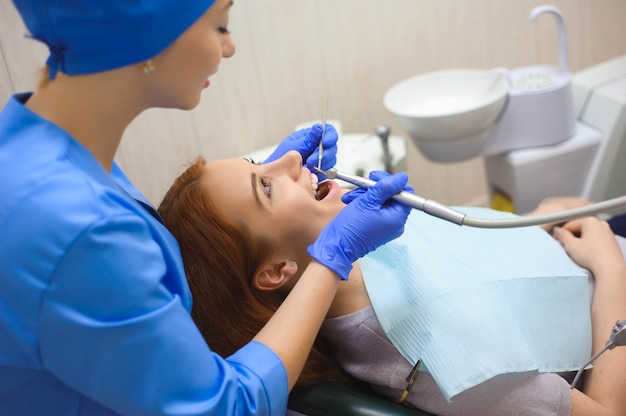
point(541, 130)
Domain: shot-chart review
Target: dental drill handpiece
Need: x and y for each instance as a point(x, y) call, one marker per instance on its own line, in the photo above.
point(444, 212)
point(426, 205)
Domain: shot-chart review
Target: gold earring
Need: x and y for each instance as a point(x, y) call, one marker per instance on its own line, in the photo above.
point(148, 67)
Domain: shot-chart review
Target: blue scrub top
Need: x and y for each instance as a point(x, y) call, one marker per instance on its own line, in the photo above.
point(94, 303)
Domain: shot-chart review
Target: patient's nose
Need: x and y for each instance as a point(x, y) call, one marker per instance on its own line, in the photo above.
point(290, 164)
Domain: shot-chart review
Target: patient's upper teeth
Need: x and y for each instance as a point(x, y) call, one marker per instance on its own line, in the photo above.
point(314, 183)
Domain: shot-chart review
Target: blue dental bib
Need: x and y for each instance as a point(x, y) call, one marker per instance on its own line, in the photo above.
point(474, 303)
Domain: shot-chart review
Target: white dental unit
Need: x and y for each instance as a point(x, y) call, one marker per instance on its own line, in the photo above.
point(541, 130)
point(590, 163)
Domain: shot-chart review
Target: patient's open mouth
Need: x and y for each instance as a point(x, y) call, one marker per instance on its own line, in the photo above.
point(322, 190)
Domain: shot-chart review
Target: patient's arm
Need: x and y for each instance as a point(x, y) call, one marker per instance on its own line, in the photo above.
point(591, 243)
point(558, 203)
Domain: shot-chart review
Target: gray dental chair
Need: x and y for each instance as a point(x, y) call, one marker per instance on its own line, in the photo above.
point(345, 399)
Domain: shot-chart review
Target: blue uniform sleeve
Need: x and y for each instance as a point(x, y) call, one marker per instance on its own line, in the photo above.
point(111, 330)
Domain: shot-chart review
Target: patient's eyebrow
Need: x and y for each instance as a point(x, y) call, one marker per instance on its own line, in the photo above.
point(255, 189)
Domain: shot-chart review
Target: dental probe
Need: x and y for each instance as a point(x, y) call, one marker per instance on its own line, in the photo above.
point(450, 214)
point(320, 155)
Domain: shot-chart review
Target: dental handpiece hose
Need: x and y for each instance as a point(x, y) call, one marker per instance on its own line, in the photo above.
point(444, 212)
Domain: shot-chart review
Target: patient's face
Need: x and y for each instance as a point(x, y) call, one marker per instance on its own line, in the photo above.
point(276, 200)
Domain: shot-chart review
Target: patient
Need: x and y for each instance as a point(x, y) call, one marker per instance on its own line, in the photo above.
point(258, 221)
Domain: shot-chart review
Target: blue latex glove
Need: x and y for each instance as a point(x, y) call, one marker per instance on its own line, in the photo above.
point(306, 142)
point(370, 220)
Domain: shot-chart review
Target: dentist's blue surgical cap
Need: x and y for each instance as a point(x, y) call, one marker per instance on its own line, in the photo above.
point(87, 36)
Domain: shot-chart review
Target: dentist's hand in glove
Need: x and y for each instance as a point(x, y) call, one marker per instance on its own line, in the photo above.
point(306, 142)
point(370, 220)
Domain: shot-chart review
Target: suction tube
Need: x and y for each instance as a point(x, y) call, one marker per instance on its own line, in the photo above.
point(446, 213)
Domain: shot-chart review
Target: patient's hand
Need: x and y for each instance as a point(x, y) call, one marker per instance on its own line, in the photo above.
point(559, 203)
point(591, 243)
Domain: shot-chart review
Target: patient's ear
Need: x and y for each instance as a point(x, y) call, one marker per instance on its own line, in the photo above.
point(274, 275)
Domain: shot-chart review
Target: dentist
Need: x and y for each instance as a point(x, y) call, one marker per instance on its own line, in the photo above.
point(94, 302)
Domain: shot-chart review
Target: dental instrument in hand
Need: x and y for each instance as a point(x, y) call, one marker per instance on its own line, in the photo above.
point(617, 339)
point(444, 212)
point(320, 155)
